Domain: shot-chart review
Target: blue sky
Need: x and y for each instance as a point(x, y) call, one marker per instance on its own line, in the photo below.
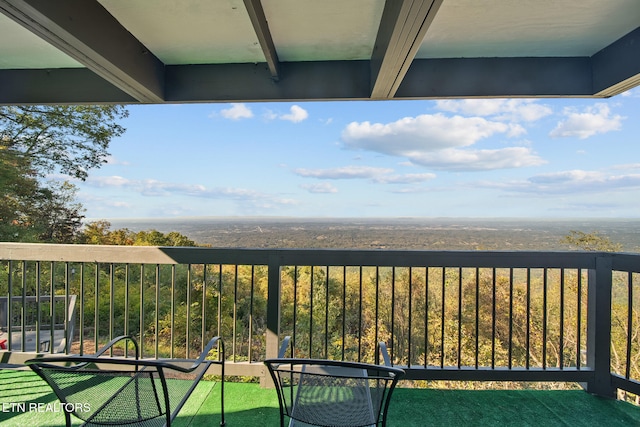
point(544, 158)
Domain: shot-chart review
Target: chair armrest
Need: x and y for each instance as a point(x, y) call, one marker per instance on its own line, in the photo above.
point(203, 355)
point(167, 363)
point(283, 347)
point(385, 354)
point(116, 340)
point(81, 361)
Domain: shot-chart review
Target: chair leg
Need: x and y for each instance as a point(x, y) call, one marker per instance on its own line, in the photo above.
point(67, 418)
point(222, 421)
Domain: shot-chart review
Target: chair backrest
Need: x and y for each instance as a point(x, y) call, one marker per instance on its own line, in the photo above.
point(111, 396)
point(333, 393)
point(108, 391)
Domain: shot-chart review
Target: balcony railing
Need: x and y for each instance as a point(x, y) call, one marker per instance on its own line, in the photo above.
point(486, 316)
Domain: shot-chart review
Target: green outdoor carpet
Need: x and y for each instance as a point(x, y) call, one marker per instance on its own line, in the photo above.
point(249, 405)
point(26, 400)
point(539, 408)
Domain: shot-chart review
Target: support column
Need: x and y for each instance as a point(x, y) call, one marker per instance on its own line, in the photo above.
point(599, 328)
point(273, 315)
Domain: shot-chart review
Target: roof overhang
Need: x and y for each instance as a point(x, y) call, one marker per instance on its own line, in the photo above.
point(162, 51)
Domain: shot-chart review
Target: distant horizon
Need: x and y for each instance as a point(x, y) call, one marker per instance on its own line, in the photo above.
point(389, 233)
point(334, 219)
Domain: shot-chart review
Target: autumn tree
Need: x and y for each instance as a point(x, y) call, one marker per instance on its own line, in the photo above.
point(593, 241)
point(100, 233)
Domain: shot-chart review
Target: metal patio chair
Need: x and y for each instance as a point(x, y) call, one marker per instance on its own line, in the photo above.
point(333, 393)
point(126, 390)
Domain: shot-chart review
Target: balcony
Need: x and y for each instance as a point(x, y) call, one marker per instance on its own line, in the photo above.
point(512, 318)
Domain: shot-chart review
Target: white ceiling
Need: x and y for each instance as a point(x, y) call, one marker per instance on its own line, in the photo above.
point(190, 32)
point(217, 32)
point(150, 50)
point(327, 30)
point(499, 28)
point(19, 48)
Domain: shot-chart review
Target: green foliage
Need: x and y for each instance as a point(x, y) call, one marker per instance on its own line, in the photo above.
point(593, 241)
point(33, 211)
point(17, 186)
point(436, 316)
point(58, 218)
point(70, 139)
point(39, 140)
point(100, 233)
point(427, 316)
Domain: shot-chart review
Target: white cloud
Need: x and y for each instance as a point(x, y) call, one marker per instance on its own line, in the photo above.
point(320, 188)
point(627, 166)
point(424, 133)
point(571, 182)
point(269, 115)
point(93, 199)
point(155, 188)
point(410, 178)
point(568, 176)
point(440, 142)
point(514, 110)
point(296, 114)
point(108, 181)
point(237, 112)
point(593, 120)
point(411, 190)
point(377, 175)
point(633, 93)
point(478, 160)
point(346, 172)
point(515, 130)
point(112, 160)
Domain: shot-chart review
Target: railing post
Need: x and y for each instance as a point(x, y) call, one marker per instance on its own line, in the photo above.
point(599, 327)
point(273, 314)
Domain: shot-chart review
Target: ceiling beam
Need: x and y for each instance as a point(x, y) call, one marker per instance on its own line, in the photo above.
point(348, 80)
point(58, 86)
point(497, 78)
point(403, 26)
point(332, 80)
point(616, 68)
point(261, 28)
point(85, 31)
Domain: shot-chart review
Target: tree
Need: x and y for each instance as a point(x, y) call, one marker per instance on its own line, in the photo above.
point(97, 233)
point(58, 217)
point(70, 139)
point(593, 241)
point(100, 233)
point(36, 141)
point(17, 185)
